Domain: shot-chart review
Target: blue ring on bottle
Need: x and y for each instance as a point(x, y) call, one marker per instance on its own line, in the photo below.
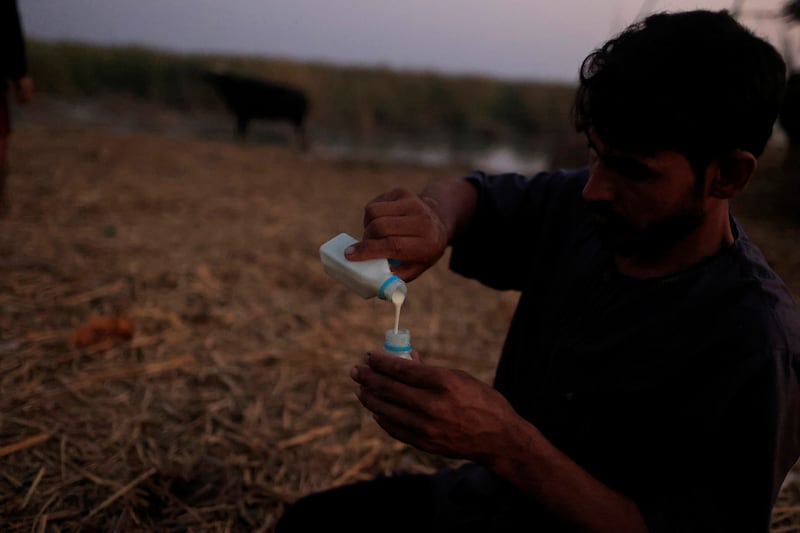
point(406, 348)
point(389, 281)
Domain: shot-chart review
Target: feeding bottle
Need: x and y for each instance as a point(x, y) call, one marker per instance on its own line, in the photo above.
point(367, 278)
point(398, 342)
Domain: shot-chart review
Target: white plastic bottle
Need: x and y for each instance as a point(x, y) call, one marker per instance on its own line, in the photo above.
point(398, 342)
point(367, 278)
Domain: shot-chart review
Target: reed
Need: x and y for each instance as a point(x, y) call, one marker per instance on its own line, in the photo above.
point(358, 102)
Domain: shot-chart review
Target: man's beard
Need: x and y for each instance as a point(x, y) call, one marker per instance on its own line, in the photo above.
point(626, 240)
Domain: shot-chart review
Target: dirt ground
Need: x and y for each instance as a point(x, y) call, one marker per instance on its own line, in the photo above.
point(172, 355)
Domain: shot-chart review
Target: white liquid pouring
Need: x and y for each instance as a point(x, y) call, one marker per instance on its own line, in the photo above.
point(398, 297)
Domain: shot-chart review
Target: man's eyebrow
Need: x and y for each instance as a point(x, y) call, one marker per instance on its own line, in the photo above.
point(622, 161)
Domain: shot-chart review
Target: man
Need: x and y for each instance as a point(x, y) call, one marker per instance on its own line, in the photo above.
point(649, 380)
point(13, 69)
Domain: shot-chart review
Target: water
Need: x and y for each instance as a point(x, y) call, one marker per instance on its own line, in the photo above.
point(494, 159)
point(122, 114)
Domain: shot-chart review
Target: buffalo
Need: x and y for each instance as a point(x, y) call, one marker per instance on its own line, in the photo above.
point(249, 98)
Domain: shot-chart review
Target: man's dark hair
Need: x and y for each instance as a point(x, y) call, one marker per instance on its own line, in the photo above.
point(696, 82)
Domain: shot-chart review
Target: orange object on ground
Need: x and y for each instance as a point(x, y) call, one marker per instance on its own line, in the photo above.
point(100, 329)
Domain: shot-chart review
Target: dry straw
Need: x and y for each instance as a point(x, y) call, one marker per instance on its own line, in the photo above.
point(230, 397)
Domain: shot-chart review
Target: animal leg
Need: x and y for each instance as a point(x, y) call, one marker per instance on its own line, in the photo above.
point(302, 137)
point(241, 126)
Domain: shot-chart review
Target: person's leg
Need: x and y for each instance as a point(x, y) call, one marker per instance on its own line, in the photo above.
point(5, 131)
point(401, 503)
point(3, 173)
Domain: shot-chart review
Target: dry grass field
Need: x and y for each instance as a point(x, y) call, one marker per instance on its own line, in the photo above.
point(172, 355)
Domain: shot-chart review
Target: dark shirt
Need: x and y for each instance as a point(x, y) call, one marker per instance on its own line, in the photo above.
point(680, 392)
point(13, 60)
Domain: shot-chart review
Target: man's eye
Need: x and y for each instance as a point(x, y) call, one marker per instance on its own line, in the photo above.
point(631, 170)
point(636, 173)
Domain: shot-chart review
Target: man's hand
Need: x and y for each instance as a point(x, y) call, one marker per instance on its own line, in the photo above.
point(402, 226)
point(435, 409)
point(24, 89)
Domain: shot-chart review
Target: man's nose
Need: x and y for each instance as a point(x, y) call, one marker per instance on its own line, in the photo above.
point(599, 187)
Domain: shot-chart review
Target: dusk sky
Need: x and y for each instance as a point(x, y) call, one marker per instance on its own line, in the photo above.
point(523, 39)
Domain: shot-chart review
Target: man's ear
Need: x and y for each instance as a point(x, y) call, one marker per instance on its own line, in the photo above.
point(732, 173)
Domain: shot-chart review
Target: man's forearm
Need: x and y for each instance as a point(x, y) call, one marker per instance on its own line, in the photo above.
point(454, 201)
point(533, 464)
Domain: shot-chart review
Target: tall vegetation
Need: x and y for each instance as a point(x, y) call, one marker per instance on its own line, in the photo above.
point(361, 103)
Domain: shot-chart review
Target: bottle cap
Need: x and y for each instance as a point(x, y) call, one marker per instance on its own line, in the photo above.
point(398, 343)
point(391, 285)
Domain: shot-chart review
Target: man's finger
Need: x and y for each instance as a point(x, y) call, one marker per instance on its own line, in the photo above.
point(396, 247)
point(408, 372)
point(395, 202)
